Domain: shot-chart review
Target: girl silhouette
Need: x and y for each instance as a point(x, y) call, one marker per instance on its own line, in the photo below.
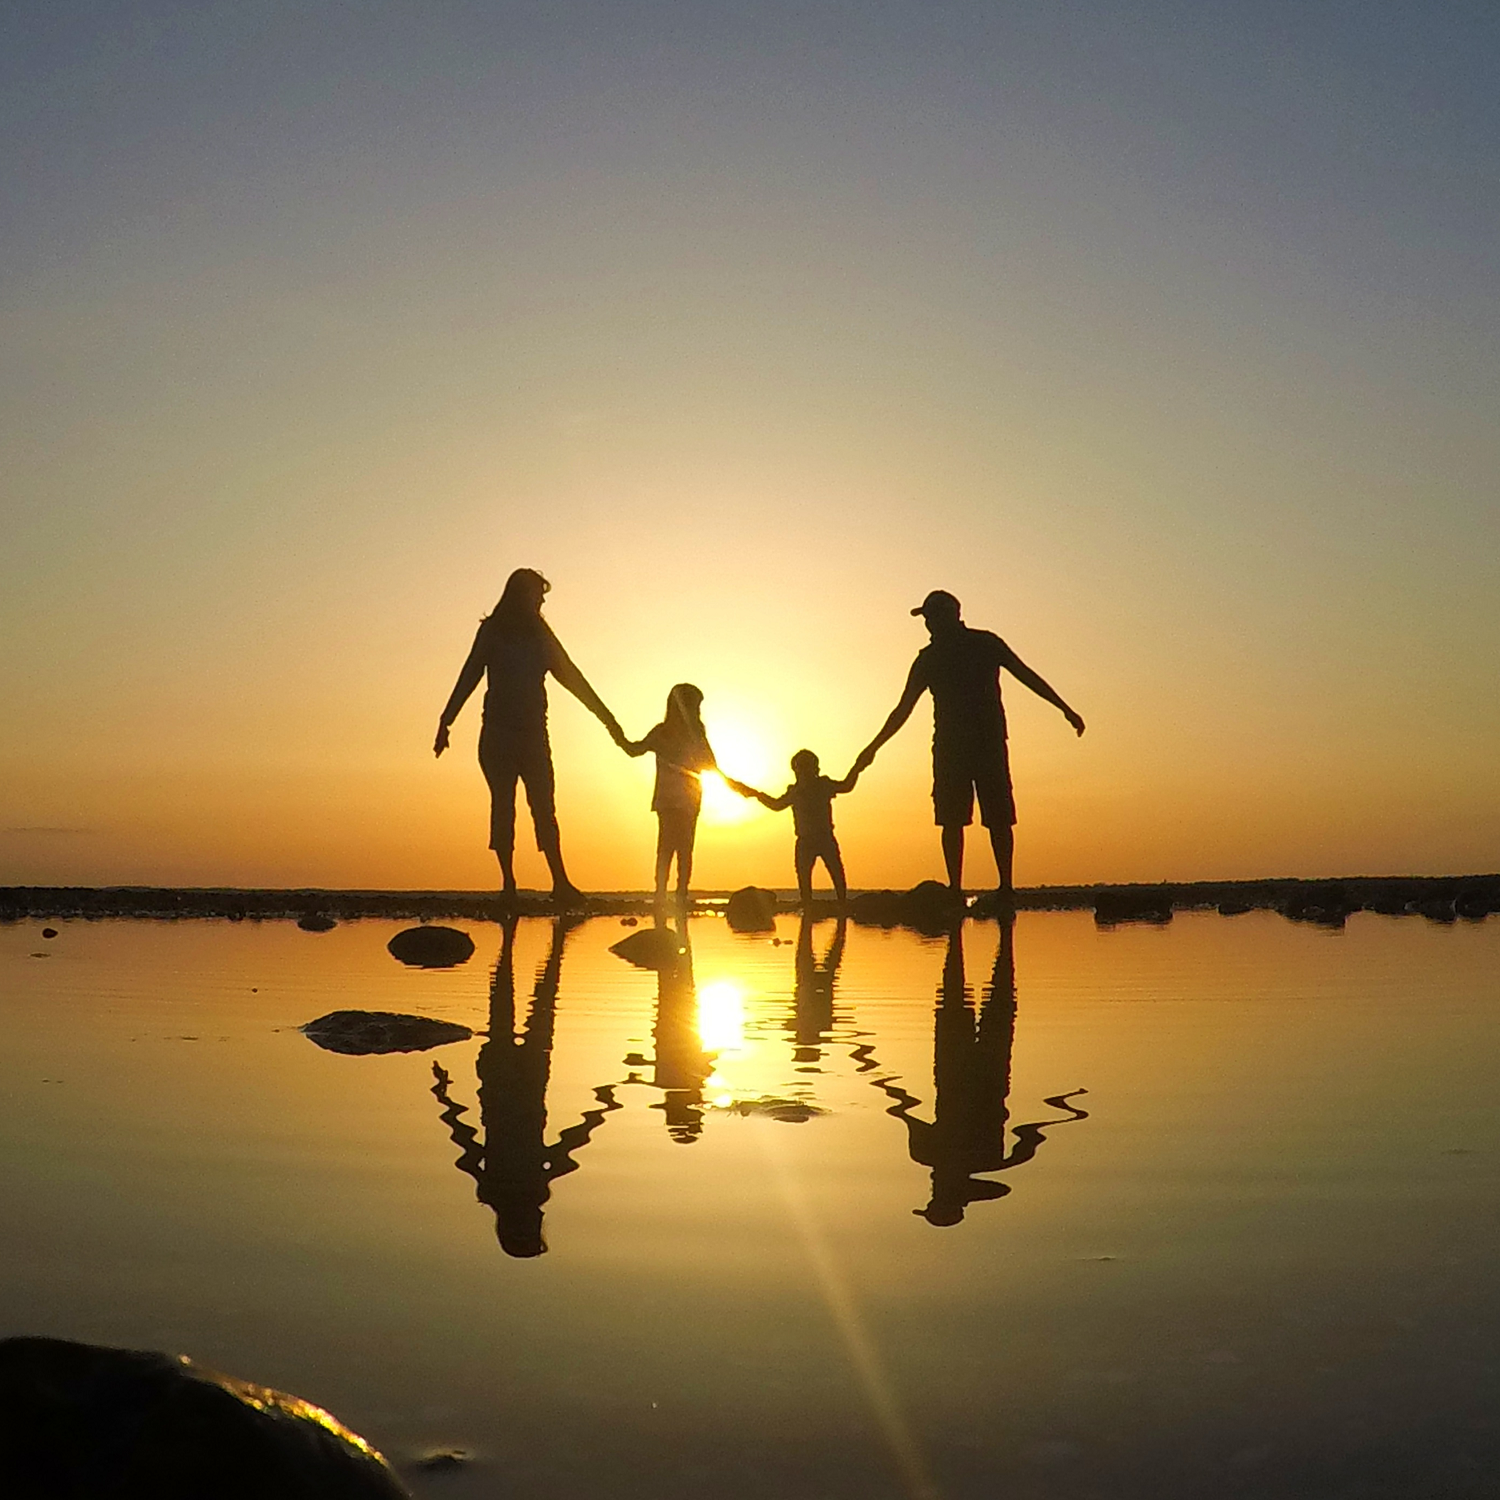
point(682, 752)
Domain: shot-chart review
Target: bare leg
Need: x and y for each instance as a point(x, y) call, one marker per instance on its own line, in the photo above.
point(1003, 842)
point(833, 860)
point(685, 838)
point(507, 858)
point(953, 854)
point(805, 862)
point(562, 887)
point(663, 856)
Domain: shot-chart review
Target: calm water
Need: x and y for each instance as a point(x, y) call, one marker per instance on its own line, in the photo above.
point(825, 1219)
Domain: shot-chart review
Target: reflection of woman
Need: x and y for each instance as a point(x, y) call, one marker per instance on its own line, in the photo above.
point(515, 649)
point(511, 1161)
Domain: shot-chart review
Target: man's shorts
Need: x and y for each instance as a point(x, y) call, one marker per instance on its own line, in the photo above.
point(958, 776)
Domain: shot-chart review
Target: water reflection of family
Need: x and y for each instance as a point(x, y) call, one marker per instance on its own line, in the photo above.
point(514, 1165)
point(515, 651)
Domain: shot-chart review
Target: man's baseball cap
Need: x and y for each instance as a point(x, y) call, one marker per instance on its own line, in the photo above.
point(939, 602)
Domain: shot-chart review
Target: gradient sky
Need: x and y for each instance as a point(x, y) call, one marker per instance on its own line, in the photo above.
point(1163, 334)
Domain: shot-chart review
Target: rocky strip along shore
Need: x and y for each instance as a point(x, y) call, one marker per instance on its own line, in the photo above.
point(1446, 898)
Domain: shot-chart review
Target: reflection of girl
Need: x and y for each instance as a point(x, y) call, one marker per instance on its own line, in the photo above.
point(682, 752)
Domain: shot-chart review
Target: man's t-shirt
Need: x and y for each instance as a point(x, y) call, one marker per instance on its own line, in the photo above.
point(962, 672)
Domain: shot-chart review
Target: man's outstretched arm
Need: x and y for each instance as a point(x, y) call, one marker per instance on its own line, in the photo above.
point(562, 668)
point(1042, 688)
point(916, 685)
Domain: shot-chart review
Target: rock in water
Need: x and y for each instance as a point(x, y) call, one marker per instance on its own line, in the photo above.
point(751, 909)
point(1473, 904)
point(431, 947)
point(1133, 904)
point(359, 1033)
point(649, 948)
point(81, 1422)
point(315, 921)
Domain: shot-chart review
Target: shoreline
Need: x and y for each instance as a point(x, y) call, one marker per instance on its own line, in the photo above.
point(1324, 901)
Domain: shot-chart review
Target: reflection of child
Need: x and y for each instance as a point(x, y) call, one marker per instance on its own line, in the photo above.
point(810, 798)
point(682, 753)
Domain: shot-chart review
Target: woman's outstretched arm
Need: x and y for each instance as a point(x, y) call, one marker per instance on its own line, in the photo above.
point(468, 679)
point(562, 668)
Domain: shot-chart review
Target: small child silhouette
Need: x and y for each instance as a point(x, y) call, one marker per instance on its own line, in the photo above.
point(810, 797)
point(682, 753)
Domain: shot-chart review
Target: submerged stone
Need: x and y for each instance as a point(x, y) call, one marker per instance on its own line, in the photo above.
point(315, 921)
point(649, 948)
point(751, 909)
point(788, 1111)
point(362, 1033)
point(431, 947)
point(86, 1422)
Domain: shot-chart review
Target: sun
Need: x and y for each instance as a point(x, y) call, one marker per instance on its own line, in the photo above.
point(743, 755)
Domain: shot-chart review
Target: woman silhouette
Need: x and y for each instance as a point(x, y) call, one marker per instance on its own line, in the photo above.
point(516, 649)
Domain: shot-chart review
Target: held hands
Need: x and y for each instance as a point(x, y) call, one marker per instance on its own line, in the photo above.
point(441, 742)
point(863, 761)
point(738, 786)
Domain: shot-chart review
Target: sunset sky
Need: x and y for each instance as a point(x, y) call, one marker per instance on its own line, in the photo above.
point(1162, 334)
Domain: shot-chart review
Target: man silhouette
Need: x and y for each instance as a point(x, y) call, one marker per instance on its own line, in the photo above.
point(961, 668)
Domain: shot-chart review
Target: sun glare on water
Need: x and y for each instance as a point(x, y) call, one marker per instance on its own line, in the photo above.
point(721, 1016)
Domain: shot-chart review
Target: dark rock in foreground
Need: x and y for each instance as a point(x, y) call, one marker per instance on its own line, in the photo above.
point(431, 947)
point(649, 948)
point(362, 1033)
point(80, 1422)
point(315, 921)
point(751, 909)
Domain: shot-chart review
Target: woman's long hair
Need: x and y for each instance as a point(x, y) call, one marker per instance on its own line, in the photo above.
point(519, 607)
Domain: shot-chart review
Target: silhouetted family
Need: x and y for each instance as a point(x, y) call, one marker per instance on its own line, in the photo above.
point(515, 650)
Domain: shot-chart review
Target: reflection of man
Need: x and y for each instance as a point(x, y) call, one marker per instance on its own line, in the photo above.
point(513, 1165)
point(961, 668)
point(971, 1074)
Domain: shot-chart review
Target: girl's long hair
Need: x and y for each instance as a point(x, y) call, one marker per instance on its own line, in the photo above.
point(518, 611)
point(685, 709)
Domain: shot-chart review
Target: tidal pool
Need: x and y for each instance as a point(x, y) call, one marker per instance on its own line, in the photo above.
point(1205, 1210)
